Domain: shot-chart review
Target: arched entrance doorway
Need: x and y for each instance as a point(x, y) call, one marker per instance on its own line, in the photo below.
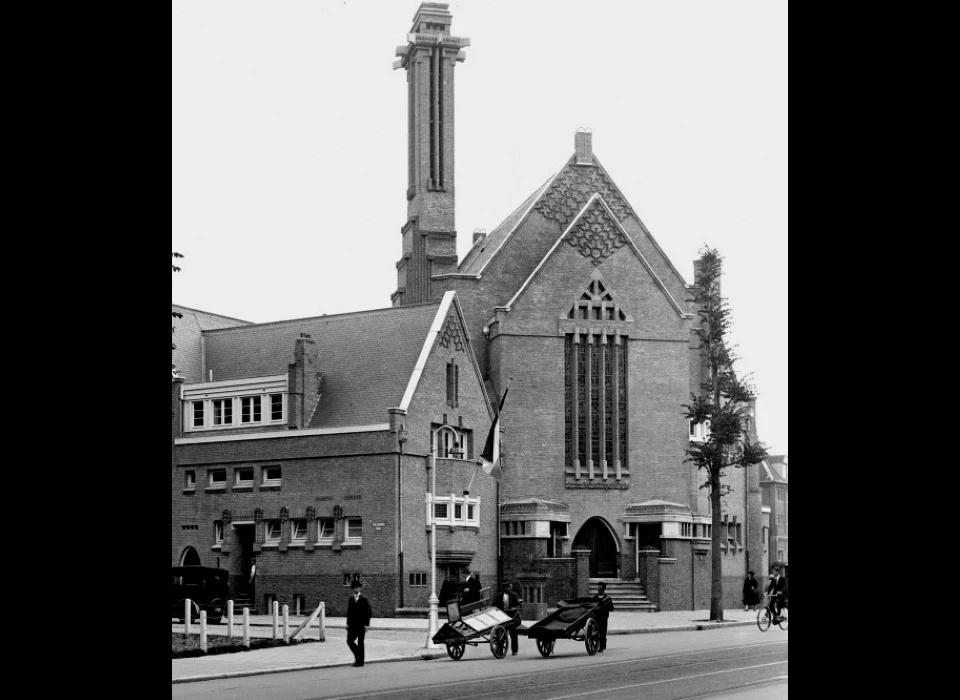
point(597, 536)
point(189, 557)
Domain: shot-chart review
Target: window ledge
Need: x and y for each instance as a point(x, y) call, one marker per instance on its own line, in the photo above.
point(215, 489)
point(189, 492)
point(243, 489)
point(300, 544)
point(217, 546)
point(270, 545)
point(269, 487)
point(351, 545)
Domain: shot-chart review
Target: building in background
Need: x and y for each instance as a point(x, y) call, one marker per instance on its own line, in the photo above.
point(775, 489)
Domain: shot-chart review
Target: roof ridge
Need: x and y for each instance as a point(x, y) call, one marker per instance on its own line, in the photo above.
point(329, 316)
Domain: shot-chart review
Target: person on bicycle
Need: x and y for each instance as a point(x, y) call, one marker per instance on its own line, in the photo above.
point(777, 590)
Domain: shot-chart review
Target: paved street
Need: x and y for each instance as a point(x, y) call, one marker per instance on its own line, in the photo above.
point(730, 662)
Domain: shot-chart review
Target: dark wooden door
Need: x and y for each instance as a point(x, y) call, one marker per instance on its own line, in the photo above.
point(596, 536)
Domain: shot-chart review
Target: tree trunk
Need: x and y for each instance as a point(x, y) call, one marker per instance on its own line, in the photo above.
point(716, 562)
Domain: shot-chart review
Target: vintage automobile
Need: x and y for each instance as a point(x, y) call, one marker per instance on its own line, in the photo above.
point(207, 589)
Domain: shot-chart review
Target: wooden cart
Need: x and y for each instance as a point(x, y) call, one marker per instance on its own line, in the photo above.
point(474, 624)
point(573, 619)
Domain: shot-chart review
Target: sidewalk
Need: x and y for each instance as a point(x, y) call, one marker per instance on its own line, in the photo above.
point(403, 641)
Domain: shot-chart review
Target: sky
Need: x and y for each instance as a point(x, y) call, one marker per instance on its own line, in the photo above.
point(290, 135)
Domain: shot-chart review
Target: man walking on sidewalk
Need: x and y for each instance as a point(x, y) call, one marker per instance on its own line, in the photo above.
point(358, 621)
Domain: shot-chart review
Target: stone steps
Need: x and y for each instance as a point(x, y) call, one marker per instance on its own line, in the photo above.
point(626, 595)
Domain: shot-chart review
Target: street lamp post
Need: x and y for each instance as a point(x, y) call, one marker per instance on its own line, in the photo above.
point(434, 601)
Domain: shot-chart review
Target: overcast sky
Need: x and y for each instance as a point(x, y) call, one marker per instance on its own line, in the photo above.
point(290, 137)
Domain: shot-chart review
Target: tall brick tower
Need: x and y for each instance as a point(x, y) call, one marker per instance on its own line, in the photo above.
point(429, 234)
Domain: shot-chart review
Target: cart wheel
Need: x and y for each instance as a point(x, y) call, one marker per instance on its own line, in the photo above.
point(545, 647)
point(455, 650)
point(498, 642)
point(591, 636)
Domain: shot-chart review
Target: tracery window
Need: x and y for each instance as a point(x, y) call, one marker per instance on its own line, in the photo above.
point(596, 405)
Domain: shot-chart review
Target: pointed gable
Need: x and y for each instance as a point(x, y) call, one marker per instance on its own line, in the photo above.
point(597, 234)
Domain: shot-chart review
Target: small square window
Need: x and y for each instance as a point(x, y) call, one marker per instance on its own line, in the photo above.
point(440, 511)
point(244, 476)
point(326, 528)
point(354, 528)
point(189, 479)
point(273, 531)
point(276, 406)
point(299, 530)
point(271, 476)
point(218, 477)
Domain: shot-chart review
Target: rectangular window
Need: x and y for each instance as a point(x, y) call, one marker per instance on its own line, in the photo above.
point(276, 406)
point(299, 604)
point(595, 403)
point(326, 529)
point(190, 479)
point(350, 578)
point(244, 476)
point(458, 511)
point(222, 411)
point(780, 519)
point(197, 414)
point(272, 531)
point(440, 511)
point(686, 529)
point(218, 531)
point(470, 512)
point(250, 409)
point(453, 384)
point(418, 579)
point(354, 528)
point(298, 529)
point(779, 555)
point(218, 477)
point(271, 476)
point(739, 534)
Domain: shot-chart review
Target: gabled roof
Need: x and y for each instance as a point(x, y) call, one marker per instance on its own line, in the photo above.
point(559, 199)
point(367, 358)
point(598, 207)
point(477, 258)
point(772, 471)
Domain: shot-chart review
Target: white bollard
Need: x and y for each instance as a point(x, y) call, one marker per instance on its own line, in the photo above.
point(229, 619)
point(323, 622)
point(203, 631)
point(276, 619)
point(187, 604)
point(246, 627)
point(286, 624)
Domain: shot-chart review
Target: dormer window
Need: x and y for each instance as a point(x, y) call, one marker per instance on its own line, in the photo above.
point(237, 403)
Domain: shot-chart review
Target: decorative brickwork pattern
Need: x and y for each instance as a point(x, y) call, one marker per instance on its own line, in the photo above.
point(595, 236)
point(452, 335)
point(571, 190)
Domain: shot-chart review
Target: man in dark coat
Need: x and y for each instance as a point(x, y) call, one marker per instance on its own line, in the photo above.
point(471, 590)
point(602, 613)
point(510, 603)
point(358, 621)
point(751, 592)
point(777, 590)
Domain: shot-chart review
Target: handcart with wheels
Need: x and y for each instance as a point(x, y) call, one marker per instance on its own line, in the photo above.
point(573, 619)
point(474, 624)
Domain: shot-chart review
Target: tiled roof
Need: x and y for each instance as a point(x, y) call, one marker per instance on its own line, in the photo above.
point(186, 337)
point(366, 358)
point(479, 255)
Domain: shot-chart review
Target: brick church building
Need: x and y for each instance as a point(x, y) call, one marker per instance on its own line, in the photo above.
point(571, 303)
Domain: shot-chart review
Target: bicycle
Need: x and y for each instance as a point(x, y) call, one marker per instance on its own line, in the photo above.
point(765, 615)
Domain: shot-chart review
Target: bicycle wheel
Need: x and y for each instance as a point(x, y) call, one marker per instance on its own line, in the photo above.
point(764, 619)
point(783, 619)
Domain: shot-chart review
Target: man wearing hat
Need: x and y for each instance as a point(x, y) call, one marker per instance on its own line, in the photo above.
point(358, 621)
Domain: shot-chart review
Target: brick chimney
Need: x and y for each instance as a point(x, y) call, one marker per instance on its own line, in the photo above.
point(304, 381)
point(429, 235)
point(584, 144)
